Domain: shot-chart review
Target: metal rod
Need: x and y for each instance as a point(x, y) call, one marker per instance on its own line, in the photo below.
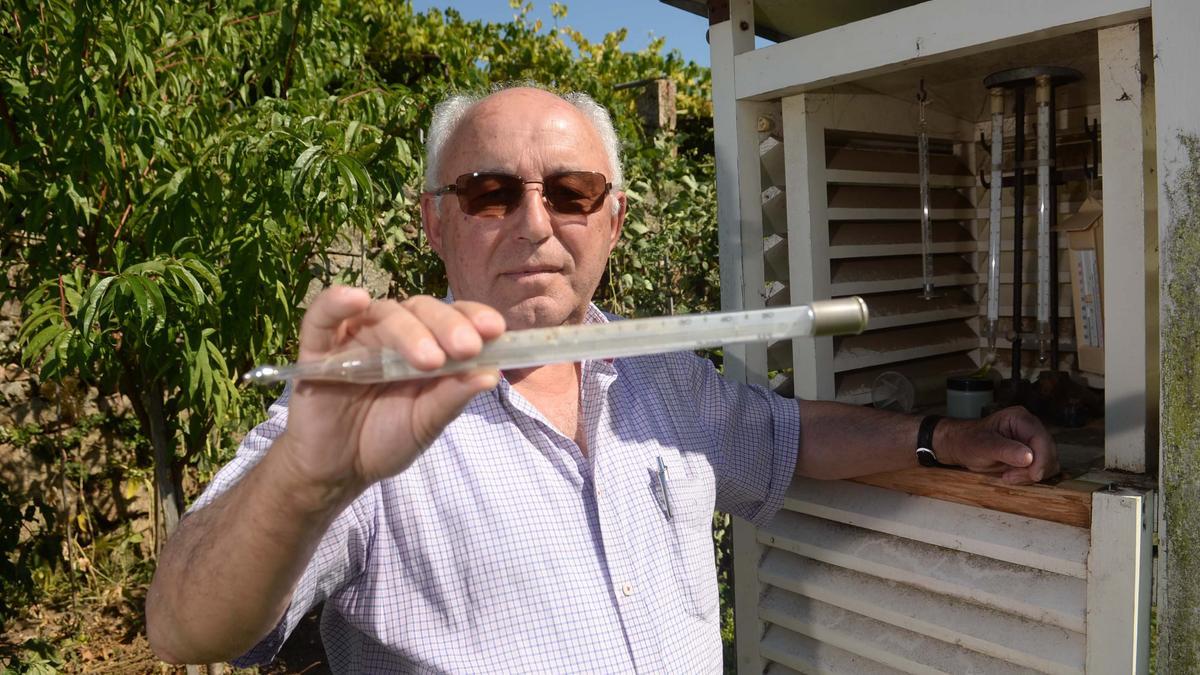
point(1042, 93)
point(926, 226)
point(1018, 225)
point(994, 223)
point(1054, 328)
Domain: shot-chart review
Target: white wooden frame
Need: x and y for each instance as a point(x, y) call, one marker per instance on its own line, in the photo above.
point(923, 34)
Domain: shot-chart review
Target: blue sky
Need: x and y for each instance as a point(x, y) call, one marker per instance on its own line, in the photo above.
point(645, 20)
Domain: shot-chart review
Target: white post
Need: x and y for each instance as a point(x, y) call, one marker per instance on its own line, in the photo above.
point(808, 234)
point(1124, 283)
point(1177, 100)
point(739, 188)
point(1118, 588)
point(739, 218)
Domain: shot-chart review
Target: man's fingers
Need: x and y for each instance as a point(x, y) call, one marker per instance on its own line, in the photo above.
point(455, 328)
point(1023, 426)
point(1017, 454)
point(1045, 454)
point(1017, 477)
point(486, 320)
point(319, 328)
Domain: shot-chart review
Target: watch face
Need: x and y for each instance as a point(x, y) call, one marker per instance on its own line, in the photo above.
point(926, 457)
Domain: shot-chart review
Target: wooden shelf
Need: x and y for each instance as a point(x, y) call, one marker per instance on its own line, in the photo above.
point(895, 179)
point(861, 213)
point(908, 308)
point(891, 197)
point(1044, 502)
point(878, 239)
point(877, 348)
point(843, 158)
point(881, 275)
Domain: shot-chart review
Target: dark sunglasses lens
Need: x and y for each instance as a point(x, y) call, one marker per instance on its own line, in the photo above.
point(576, 192)
point(488, 195)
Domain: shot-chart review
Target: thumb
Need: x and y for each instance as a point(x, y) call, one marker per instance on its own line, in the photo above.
point(1011, 453)
point(444, 399)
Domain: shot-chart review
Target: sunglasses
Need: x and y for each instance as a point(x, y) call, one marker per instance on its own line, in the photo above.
point(495, 195)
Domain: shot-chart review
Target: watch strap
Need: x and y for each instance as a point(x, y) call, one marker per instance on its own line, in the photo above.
point(926, 455)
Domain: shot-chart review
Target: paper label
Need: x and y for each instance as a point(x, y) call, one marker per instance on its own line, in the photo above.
point(1087, 273)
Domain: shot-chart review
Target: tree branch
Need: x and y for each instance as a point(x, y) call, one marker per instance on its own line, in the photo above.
point(9, 122)
point(287, 68)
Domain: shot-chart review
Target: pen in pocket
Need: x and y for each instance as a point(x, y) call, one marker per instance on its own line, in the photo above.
point(662, 483)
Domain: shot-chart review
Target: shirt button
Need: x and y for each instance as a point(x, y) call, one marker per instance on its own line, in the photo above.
point(627, 589)
point(599, 492)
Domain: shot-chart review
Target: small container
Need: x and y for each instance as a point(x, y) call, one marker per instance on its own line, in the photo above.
point(966, 396)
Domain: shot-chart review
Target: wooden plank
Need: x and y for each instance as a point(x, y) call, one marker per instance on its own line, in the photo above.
point(850, 233)
point(771, 155)
point(796, 654)
point(1038, 596)
point(729, 122)
point(864, 112)
point(882, 250)
point(1118, 596)
point(1040, 544)
point(774, 208)
point(853, 177)
point(736, 149)
point(899, 648)
point(1124, 268)
point(808, 236)
point(985, 630)
point(869, 213)
point(888, 285)
point(902, 344)
point(846, 157)
point(889, 197)
point(1043, 502)
point(890, 310)
point(923, 34)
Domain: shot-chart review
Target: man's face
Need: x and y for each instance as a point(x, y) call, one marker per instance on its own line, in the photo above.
point(537, 267)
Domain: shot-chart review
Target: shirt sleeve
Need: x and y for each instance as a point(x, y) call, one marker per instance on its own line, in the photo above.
point(750, 434)
point(338, 559)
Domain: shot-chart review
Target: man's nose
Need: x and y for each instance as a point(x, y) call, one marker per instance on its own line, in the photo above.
point(533, 216)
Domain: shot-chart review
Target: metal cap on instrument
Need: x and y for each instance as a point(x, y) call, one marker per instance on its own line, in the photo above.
point(843, 316)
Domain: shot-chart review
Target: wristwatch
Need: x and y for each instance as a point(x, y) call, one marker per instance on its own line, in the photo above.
point(925, 453)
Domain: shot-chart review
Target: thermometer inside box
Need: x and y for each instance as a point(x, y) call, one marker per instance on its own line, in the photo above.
point(634, 337)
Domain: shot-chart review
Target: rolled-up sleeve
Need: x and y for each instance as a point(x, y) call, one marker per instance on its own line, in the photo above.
point(750, 434)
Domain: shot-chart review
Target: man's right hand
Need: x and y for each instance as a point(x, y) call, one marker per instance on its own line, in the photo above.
point(341, 438)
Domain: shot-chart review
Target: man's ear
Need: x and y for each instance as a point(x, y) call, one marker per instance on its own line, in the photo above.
point(431, 221)
point(618, 221)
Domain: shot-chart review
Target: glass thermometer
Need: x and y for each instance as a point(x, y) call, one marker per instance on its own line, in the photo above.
point(634, 337)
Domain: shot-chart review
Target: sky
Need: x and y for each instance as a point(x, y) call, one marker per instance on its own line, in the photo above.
point(645, 19)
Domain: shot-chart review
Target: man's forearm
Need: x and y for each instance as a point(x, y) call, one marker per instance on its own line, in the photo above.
point(843, 441)
point(228, 572)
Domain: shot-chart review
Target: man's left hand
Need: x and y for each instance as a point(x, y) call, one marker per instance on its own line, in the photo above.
point(1011, 444)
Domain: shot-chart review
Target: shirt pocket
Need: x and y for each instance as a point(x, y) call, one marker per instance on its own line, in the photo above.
point(689, 533)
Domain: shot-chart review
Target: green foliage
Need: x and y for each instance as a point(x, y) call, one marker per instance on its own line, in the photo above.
point(24, 554)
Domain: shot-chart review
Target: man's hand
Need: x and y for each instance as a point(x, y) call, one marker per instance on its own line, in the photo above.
point(344, 437)
point(1011, 444)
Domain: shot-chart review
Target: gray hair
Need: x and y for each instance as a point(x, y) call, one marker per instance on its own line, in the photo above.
point(452, 110)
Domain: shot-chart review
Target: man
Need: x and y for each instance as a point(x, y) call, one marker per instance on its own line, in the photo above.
point(517, 522)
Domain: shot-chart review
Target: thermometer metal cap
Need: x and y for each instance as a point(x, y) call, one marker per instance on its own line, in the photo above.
point(842, 316)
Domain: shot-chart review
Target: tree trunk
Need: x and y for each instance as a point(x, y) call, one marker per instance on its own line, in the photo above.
point(165, 488)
